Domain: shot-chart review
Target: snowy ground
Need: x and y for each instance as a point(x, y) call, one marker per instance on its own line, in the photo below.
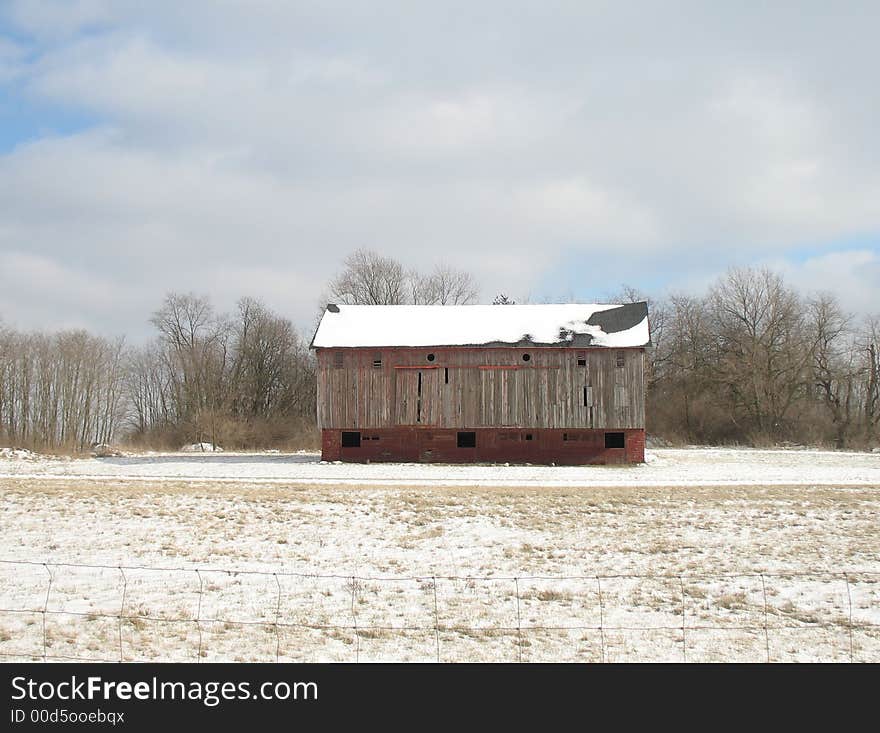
point(701, 554)
point(664, 467)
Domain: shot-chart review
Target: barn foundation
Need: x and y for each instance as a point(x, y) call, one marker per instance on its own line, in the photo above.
point(484, 445)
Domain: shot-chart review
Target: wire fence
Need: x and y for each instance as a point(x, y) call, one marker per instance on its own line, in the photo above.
point(55, 611)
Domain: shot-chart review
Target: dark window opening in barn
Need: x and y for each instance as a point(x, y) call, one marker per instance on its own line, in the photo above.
point(527, 357)
point(586, 397)
point(467, 440)
point(446, 375)
point(582, 358)
point(528, 436)
point(565, 436)
point(375, 437)
point(615, 440)
point(337, 360)
point(430, 357)
point(621, 358)
point(419, 401)
point(377, 361)
point(351, 439)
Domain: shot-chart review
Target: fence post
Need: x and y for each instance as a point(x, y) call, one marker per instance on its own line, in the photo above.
point(683, 637)
point(601, 616)
point(199, 614)
point(766, 633)
point(357, 636)
point(277, 619)
point(849, 599)
point(122, 610)
point(518, 622)
point(45, 609)
point(436, 619)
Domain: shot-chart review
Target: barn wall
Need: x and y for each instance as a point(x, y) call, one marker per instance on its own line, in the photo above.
point(562, 447)
point(481, 387)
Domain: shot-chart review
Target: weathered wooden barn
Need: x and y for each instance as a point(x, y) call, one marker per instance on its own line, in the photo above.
point(558, 384)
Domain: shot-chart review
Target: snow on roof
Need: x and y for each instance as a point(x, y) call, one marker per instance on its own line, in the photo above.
point(578, 324)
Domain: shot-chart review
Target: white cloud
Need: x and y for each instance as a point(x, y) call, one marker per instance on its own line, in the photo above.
point(575, 208)
point(853, 275)
point(254, 156)
point(55, 293)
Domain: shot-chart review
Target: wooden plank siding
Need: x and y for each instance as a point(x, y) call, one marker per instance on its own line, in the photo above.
point(481, 387)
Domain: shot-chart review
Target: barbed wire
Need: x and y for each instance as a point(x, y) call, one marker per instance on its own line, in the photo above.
point(439, 627)
point(392, 578)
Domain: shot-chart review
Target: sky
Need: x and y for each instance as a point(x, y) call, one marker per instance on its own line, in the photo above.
point(556, 150)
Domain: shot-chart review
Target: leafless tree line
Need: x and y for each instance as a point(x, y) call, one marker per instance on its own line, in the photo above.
point(245, 380)
point(750, 361)
point(64, 390)
point(368, 278)
point(754, 361)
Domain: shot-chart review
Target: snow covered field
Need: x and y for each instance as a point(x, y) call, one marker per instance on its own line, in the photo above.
point(700, 554)
point(664, 467)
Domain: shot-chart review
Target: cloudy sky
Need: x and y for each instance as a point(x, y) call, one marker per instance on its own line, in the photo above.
point(554, 149)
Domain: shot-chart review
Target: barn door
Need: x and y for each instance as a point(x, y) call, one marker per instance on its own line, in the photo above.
point(416, 397)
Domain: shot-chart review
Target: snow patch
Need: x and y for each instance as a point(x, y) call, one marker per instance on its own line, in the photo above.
point(201, 448)
point(20, 454)
point(103, 450)
point(456, 325)
point(662, 467)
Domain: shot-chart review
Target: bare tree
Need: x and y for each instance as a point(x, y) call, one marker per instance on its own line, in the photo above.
point(445, 285)
point(246, 380)
point(271, 366)
point(762, 350)
point(195, 351)
point(368, 278)
point(59, 390)
point(833, 365)
point(681, 399)
point(869, 349)
point(149, 390)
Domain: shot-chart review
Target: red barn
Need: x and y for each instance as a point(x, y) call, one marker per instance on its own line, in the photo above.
point(558, 384)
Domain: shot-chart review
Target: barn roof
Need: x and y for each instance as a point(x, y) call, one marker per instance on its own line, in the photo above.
point(609, 325)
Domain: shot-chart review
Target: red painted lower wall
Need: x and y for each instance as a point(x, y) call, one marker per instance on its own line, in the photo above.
point(493, 445)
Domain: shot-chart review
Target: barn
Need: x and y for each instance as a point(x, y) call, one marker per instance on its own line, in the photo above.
point(561, 384)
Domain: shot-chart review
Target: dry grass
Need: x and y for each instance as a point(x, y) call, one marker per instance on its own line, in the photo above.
point(427, 530)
